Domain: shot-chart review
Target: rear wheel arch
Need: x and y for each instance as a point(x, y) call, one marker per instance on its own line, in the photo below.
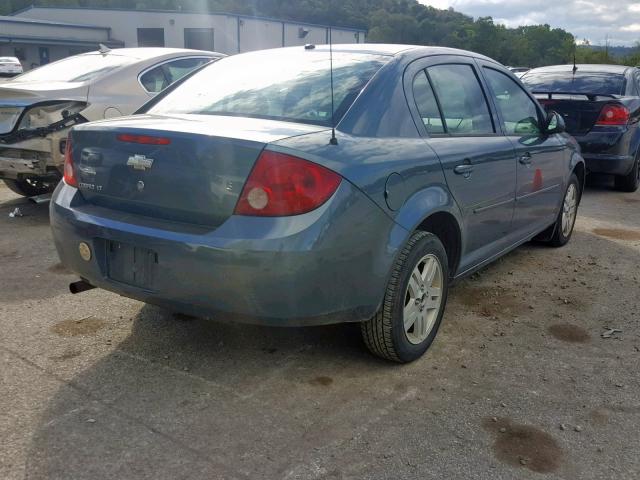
point(446, 227)
point(434, 210)
point(580, 171)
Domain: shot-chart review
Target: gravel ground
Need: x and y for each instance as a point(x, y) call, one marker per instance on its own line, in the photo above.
point(520, 382)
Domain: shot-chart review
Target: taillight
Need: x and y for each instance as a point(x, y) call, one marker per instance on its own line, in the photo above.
point(69, 175)
point(613, 114)
point(143, 139)
point(283, 185)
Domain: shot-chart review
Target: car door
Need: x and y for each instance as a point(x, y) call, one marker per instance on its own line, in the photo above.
point(477, 159)
point(540, 157)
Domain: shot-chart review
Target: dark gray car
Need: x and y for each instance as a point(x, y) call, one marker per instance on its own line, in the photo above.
point(230, 193)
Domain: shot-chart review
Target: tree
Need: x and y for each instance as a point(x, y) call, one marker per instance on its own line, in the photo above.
point(387, 21)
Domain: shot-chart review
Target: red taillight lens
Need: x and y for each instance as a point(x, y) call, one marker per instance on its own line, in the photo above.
point(613, 114)
point(143, 139)
point(283, 185)
point(69, 175)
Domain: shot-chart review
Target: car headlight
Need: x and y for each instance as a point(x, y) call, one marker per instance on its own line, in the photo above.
point(45, 115)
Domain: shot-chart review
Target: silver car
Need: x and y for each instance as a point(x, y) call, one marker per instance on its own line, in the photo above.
point(10, 67)
point(38, 108)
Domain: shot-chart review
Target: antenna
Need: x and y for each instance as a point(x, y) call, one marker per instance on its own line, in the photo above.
point(334, 140)
point(575, 67)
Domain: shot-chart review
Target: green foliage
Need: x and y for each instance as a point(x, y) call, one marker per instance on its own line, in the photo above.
point(391, 21)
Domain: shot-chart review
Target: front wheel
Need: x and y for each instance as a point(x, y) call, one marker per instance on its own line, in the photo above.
point(414, 302)
point(566, 220)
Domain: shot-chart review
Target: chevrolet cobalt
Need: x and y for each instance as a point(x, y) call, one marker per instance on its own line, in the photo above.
point(232, 193)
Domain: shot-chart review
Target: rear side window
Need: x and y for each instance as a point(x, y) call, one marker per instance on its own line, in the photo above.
point(464, 106)
point(160, 77)
point(519, 113)
point(589, 83)
point(427, 105)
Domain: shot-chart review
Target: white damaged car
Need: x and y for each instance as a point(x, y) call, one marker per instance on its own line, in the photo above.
point(38, 107)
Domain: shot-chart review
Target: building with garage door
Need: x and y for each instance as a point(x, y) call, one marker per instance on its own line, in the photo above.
point(36, 42)
point(221, 32)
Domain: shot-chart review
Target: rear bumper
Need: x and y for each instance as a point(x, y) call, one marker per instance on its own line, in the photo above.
point(611, 164)
point(608, 149)
point(326, 266)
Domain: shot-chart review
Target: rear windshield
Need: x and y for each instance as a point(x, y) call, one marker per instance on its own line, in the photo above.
point(286, 85)
point(76, 69)
point(585, 82)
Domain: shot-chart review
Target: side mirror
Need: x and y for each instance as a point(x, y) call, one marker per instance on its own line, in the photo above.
point(555, 123)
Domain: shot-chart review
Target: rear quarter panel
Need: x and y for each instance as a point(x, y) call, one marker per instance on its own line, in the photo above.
point(380, 151)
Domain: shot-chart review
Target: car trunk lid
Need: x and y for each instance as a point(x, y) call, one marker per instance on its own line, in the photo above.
point(580, 111)
point(193, 173)
point(16, 97)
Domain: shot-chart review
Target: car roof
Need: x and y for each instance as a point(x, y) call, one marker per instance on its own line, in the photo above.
point(582, 67)
point(391, 49)
point(146, 53)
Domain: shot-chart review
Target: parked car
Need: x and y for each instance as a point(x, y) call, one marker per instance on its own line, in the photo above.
point(231, 194)
point(601, 108)
point(519, 71)
point(38, 108)
point(10, 67)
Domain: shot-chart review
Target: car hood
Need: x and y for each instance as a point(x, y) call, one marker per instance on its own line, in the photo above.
point(16, 96)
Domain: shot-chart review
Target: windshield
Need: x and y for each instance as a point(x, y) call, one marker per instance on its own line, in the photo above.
point(582, 82)
point(281, 85)
point(79, 68)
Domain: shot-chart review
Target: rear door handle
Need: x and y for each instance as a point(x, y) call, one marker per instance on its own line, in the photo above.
point(525, 159)
point(465, 170)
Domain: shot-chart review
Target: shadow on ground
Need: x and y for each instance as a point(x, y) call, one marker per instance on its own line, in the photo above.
point(194, 398)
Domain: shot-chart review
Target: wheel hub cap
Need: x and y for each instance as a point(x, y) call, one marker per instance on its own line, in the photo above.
point(569, 208)
point(423, 298)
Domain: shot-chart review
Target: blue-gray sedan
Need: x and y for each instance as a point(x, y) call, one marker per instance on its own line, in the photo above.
point(230, 193)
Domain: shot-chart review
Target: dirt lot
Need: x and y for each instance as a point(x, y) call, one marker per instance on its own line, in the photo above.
point(519, 384)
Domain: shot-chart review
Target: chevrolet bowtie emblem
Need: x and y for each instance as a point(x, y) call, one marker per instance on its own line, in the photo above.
point(140, 162)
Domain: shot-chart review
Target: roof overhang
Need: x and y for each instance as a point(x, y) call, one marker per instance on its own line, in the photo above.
point(14, 39)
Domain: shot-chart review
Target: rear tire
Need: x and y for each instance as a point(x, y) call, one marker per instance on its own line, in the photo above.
point(563, 228)
point(414, 302)
point(30, 187)
point(630, 182)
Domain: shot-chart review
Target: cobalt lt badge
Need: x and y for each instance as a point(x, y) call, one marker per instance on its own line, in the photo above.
point(140, 185)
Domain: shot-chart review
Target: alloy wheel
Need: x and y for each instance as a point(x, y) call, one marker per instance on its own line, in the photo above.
point(569, 209)
point(423, 298)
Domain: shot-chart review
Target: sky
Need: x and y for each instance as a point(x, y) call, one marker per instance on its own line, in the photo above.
point(590, 19)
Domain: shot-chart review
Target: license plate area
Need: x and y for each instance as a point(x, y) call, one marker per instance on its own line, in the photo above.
point(132, 265)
